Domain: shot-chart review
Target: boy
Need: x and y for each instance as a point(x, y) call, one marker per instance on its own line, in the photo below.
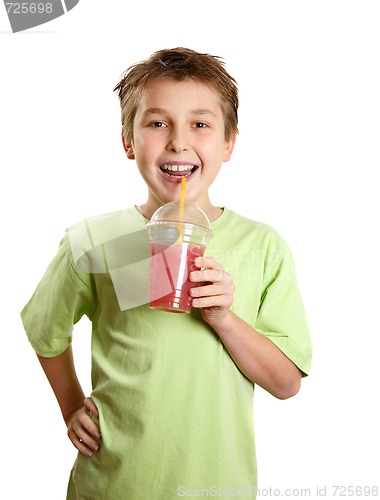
point(170, 413)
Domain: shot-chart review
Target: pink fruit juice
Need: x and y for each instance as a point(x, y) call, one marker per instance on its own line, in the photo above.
point(169, 271)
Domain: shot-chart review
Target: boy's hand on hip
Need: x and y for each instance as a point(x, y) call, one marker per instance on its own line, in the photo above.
point(82, 431)
point(214, 295)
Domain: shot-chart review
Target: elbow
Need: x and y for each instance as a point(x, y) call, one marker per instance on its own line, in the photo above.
point(289, 389)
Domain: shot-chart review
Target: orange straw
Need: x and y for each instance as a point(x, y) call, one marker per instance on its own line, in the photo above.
point(182, 199)
point(181, 208)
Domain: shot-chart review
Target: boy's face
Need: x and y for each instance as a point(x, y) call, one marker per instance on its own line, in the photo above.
point(179, 131)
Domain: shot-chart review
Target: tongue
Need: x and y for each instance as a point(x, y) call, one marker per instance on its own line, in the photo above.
point(178, 173)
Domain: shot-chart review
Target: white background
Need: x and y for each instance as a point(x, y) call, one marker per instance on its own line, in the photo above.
point(304, 163)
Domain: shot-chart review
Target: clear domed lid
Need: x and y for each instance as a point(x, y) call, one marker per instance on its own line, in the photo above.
point(170, 212)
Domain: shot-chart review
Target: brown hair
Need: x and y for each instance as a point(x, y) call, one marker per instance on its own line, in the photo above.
point(178, 64)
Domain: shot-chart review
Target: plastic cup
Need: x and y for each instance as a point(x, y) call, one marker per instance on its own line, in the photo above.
point(175, 241)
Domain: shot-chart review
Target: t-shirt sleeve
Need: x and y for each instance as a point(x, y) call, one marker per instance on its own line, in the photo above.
point(61, 298)
point(281, 316)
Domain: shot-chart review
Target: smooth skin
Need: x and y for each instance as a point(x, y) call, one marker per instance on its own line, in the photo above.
point(181, 123)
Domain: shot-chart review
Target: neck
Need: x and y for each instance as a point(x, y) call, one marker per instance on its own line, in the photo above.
point(211, 212)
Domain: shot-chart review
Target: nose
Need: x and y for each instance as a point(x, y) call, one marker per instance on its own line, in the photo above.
point(178, 141)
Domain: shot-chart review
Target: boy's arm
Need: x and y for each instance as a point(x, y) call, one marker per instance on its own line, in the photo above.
point(258, 357)
point(75, 408)
point(255, 355)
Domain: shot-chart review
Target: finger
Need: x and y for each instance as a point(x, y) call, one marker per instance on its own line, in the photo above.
point(213, 289)
point(90, 406)
point(89, 425)
point(207, 262)
point(79, 444)
point(215, 275)
point(220, 301)
point(86, 439)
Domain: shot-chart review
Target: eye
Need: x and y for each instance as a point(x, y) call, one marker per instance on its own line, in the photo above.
point(157, 124)
point(200, 125)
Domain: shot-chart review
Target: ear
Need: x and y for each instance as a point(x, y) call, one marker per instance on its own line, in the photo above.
point(230, 145)
point(128, 148)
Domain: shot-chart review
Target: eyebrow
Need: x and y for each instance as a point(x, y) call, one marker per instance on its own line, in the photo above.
point(198, 111)
point(154, 111)
point(203, 111)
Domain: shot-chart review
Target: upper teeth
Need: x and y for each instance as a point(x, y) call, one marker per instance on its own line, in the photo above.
point(177, 168)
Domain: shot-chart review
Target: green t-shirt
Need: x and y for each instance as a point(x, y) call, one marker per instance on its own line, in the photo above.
point(175, 412)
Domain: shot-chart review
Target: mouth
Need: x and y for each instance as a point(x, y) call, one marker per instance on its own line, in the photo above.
point(176, 171)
